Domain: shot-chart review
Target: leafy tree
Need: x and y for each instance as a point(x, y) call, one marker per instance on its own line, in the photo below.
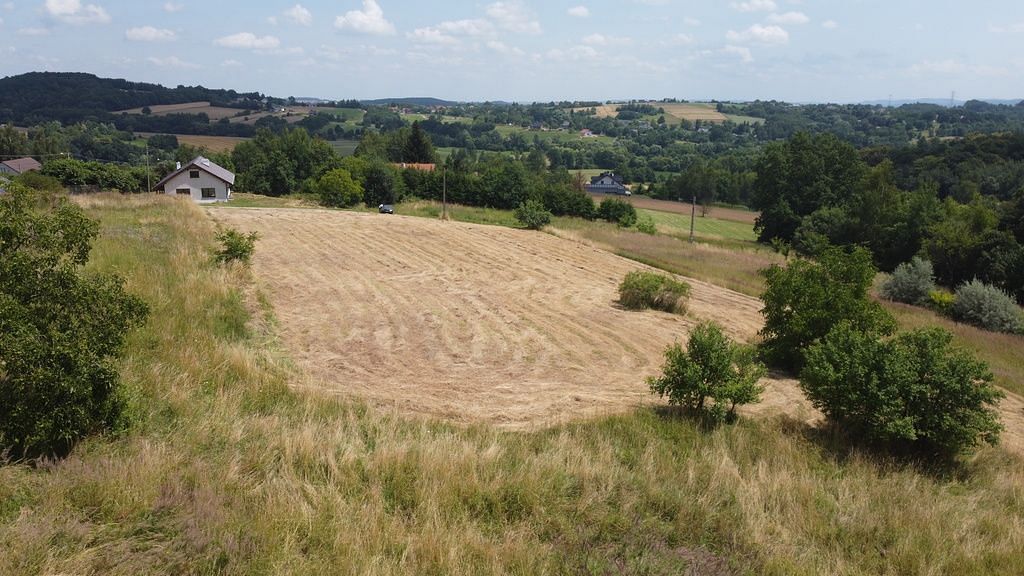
point(619, 211)
point(913, 391)
point(61, 329)
point(805, 300)
point(337, 189)
point(712, 367)
point(533, 215)
point(382, 184)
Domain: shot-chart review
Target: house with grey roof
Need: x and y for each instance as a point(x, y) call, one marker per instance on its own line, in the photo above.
point(607, 183)
point(19, 166)
point(201, 180)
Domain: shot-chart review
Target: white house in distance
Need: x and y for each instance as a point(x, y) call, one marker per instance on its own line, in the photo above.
point(201, 180)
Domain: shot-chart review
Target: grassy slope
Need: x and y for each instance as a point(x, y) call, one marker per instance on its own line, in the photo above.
point(228, 471)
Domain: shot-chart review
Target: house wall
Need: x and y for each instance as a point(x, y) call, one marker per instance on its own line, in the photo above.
point(5, 169)
point(196, 185)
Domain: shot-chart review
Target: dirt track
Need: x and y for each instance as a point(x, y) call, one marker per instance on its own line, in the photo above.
point(479, 323)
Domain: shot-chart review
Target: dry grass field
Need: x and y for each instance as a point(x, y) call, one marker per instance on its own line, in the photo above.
point(211, 143)
point(467, 322)
point(214, 112)
point(643, 202)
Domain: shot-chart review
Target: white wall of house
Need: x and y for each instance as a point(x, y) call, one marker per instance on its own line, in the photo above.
point(184, 185)
point(4, 169)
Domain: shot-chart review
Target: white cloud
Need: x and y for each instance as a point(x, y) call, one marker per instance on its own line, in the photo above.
point(172, 62)
point(755, 6)
point(173, 7)
point(476, 27)
point(760, 34)
point(513, 16)
point(689, 21)
point(830, 24)
point(742, 51)
point(431, 36)
point(150, 34)
point(369, 20)
point(299, 15)
point(1015, 28)
point(505, 49)
point(248, 41)
point(33, 31)
point(230, 63)
point(73, 12)
point(602, 40)
point(578, 11)
point(789, 18)
point(679, 40)
point(574, 54)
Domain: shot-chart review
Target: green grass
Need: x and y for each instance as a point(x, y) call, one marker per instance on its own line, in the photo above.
point(353, 115)
point(552, 135)
point(228, 471)
point(459, 213)
point(344, 147)
point(706, 226)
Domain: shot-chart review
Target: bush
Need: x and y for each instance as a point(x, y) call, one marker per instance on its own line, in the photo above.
point(911, 283)
point(941, 301)
point(712, 367)
point(618, 211)
point(805, 300)
point(235, 246)
point(533, 215)
point(912, 392)
point(987, 307)
point(646, 225)
point(38, 181)
point(61, 330)
point(640, 290)
point(337, 189)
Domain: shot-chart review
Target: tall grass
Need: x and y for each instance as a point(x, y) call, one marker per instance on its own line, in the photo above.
point(229, 471)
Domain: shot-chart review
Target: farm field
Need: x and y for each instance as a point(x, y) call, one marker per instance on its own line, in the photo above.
point(645, 203)
point(211, 143)
point(214, 112)
point(478, 324)
point(676, 112)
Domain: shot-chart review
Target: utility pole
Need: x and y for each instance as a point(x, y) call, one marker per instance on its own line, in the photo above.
point(444, 193)
point(149, 184)
point(693, 217)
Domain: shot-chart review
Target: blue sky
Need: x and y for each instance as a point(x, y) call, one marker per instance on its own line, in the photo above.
point(524, 50)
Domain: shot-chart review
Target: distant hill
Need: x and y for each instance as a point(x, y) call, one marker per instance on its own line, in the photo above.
point(939, 102)
point(422, 101)
point(72, 96)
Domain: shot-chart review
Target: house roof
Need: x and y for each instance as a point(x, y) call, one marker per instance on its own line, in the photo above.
point(22, 165)
point(414, 166)
point(205, 165)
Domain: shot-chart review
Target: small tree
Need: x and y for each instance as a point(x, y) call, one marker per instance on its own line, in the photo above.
point(646, 225)
point(337, 189)
point(913, 391)
point(619, 211)
point(911, 283)
point(805, 300)
point(61, 329)
point(712, 367)
point(235, 246)
point(533, 215)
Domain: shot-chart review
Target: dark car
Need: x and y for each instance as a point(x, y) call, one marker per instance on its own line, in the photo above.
point(386, 209)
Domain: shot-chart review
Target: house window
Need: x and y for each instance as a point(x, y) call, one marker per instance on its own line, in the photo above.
point(183, 191)
point(194, 174)
point(209, 192)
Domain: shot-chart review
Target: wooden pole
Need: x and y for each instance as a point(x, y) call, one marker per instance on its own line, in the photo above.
point(444, 193)
point(693, 217)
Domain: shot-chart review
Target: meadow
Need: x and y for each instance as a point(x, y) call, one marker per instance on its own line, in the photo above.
point(234, 466)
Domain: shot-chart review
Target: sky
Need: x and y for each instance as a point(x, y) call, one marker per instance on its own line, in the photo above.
point(534, 50)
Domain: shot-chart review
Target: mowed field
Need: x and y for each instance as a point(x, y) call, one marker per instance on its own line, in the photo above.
point(214, 112)
point(471, 323)
point(645, 203)
point(676, 112)
point(211, 143)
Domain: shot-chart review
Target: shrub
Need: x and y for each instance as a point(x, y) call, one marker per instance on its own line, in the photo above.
point(337, 189)
point(640, 290)
point(61, 330)
point(712, 367)
point(618, 211)
point(533, 215)
point(805, 300)
point(913, 391)
point(646, 225)
point(987, 307)
point(37, 181)
point(235, 246)
point(911, 283)
point(941, 301)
